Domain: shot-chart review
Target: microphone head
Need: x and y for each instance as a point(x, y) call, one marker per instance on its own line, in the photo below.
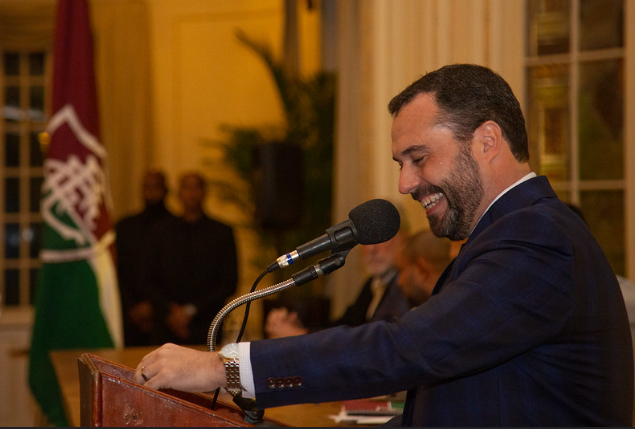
point(375, 221)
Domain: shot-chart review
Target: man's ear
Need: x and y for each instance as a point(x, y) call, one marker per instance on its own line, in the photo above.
point(488, 139)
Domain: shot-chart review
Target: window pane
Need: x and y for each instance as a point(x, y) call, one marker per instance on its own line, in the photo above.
point(12, 241)
point(548, 27)
point(601, 120)
point(12, 287)
point(548, 119)
point(35, 150)
point(32, 236)
point(12, 199)
point(36, 110)
point(601, 24)
point(35, 184)
point(11, 64)
point(12, 149)
point(11, 109)
point(36, 64)
point(604, 212)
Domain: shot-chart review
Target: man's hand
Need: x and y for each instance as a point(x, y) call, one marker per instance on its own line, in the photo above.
point(181, 368)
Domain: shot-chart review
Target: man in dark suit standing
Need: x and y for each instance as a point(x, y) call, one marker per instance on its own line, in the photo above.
point(526, 327)
point(192, 267)
point(133, 233)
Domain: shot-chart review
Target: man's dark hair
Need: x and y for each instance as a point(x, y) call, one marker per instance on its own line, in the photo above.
point(469, 95)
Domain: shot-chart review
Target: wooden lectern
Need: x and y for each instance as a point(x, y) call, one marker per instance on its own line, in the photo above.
point(110, 397)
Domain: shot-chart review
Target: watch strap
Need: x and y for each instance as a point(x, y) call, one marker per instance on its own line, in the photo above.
point(232, 372)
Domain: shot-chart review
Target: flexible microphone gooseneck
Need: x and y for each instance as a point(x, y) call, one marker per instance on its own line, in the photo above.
point(372, 222)
point(253, 415)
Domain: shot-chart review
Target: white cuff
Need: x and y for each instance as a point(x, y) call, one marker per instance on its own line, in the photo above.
point(246, 373)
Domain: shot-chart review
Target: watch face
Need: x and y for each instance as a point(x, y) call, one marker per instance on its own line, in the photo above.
point(230, 351)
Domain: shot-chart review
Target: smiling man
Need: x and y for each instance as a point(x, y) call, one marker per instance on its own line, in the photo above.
point(526, 327)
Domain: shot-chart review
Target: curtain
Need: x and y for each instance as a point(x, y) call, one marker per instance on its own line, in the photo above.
point(124, 79)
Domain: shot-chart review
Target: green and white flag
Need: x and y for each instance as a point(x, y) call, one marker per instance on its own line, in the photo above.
point(77, 303)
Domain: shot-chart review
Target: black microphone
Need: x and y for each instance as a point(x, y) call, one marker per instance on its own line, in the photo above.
point(372, 222)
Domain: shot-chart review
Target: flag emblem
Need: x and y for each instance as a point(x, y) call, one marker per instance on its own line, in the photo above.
point(74, 196)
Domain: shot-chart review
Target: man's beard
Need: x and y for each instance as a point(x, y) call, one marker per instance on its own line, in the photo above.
point(463, 193)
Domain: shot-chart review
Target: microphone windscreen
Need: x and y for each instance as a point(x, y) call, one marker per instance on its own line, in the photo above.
point(376, 221)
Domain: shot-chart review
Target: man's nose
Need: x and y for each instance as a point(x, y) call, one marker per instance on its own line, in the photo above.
point(408, 180)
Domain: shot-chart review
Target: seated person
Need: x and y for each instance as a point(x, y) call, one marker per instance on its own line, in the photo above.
point(379, 299)
point(422, 260)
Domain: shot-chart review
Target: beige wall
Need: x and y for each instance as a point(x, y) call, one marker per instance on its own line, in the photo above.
point(202, 77)
point(198, 77)
point(169, 73)
point(123, 70)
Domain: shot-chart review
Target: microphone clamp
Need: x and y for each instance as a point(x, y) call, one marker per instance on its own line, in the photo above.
point(286, 260)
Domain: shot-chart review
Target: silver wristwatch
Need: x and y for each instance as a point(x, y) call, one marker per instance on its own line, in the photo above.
point(229, 356)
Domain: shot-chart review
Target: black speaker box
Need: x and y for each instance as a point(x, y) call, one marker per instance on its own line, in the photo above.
point(279, 185)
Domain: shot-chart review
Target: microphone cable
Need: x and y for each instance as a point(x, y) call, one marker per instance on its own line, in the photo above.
point(246, 316)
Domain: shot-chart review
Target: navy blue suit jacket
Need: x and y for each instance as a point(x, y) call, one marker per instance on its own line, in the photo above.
point(526, 327)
